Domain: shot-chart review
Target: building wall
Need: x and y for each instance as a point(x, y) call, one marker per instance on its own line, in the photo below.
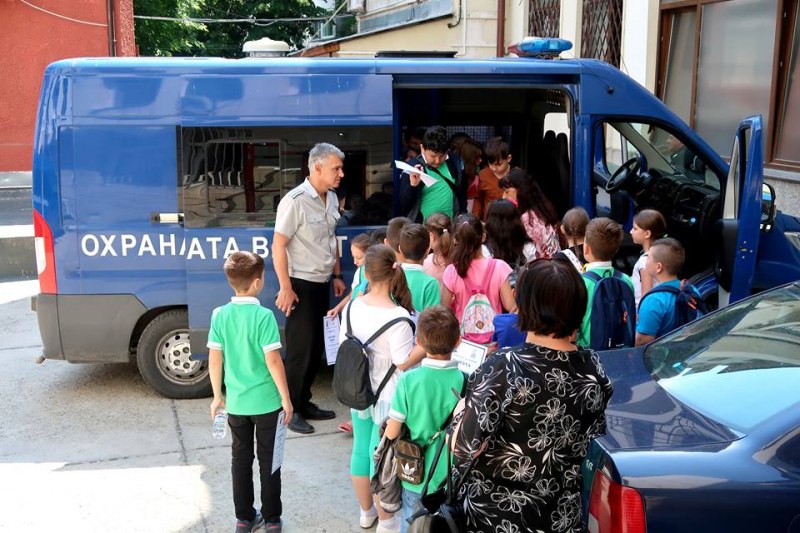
point(30, 40)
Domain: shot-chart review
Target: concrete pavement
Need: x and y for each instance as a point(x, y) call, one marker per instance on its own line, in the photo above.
point(92, 448)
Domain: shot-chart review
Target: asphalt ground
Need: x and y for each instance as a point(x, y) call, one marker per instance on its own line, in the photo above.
point(90, 448)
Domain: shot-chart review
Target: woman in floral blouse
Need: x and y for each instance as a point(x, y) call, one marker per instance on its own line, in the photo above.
point(530, 412)
point(537, 212)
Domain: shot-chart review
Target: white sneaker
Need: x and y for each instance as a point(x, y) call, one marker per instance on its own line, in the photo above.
point(389, 526)
point(368, 518)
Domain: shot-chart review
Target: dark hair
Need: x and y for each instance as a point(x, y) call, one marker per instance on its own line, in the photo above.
point(670, 253)
point(551, 298)
point(437, 330)
point(380, 265)
point(414, 242)
point(241, 268)
point(362, 241)
point(652, 221)
point(470, 152)
point(574, 223)
point(468, 238)
point(393, 229)
point(442, 226)
point(530, 197)
point(496, 149)
point(603, 236)
point(505, 234)
point(435, 139)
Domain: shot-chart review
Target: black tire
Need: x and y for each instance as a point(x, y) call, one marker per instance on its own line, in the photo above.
point(162, 356)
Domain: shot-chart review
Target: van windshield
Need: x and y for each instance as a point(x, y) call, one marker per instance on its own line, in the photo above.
point(664, 152)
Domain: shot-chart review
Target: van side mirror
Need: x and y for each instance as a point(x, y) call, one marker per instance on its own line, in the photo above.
point(768, 208)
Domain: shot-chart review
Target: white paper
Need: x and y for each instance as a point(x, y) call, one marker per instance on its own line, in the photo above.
point(331, 328)
point(280, 441)
point(469, 356)
point(427, 179)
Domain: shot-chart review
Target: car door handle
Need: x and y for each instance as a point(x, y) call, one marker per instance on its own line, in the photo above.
point(166, 218)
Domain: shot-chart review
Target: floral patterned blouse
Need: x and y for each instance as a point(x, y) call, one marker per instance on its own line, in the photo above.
point(544, 236)
point(536, 410)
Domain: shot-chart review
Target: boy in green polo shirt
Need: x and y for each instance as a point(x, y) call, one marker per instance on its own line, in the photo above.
point(415, 242)
point(245, 341)
point(424, 399)
point(602, 241)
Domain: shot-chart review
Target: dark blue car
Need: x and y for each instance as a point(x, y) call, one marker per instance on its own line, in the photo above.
point(704, 427)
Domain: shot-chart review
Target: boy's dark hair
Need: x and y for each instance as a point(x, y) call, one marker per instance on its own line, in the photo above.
point(241, 268)
point(604, 237)
point(415, 241)
point(435, 139)
point(495, 149)
point(437, 330)
point(574, 223)
point(393, 229)
point(551, 298)
point(670, 253)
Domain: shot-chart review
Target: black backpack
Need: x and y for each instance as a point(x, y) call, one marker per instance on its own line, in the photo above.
point(351, 382)
point(688, 306)
point(613, 315)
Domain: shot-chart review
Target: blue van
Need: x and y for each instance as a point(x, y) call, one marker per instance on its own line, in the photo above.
point(147, 173)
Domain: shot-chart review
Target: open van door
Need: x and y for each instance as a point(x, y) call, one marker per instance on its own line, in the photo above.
point(741, 213)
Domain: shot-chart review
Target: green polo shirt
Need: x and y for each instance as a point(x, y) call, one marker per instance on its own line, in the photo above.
point(438, 198)
point(423, 401)
point(424, 287)
point(245, 331)
point(600, 267)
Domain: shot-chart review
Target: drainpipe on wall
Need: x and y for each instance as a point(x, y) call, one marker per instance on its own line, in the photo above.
point(501, 28)
point(112, 38)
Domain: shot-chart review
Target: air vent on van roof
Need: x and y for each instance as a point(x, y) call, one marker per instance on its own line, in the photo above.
point(416, 54)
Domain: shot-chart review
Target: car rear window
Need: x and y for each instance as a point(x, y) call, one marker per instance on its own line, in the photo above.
point(738, 366)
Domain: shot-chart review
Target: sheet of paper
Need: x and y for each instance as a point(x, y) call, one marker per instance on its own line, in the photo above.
point(427, 179)
point(331, 328)
point(280, 440)
point(469, 356)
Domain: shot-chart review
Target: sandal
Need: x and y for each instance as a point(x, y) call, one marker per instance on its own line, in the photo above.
point(345, 427)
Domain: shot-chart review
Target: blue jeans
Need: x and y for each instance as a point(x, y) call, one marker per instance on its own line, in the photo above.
point(410, 499)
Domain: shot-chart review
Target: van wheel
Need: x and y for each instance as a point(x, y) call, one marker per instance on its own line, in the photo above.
point(163, 357)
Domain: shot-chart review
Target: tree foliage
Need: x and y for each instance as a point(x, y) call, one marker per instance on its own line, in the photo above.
point(173, 38)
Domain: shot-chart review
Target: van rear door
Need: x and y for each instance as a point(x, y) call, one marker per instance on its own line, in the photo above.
point(741, 213)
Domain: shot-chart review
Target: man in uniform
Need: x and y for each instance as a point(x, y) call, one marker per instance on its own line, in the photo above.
point(305, 254)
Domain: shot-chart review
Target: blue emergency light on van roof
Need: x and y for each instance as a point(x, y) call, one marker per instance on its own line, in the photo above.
point(540, 47)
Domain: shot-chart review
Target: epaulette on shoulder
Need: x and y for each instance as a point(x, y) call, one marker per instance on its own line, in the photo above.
point(294, 193)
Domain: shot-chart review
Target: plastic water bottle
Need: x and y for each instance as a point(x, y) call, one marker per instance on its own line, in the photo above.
point(220, 426)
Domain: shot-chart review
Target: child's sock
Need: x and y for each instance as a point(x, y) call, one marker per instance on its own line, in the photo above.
point(372, 512)
point(393, 524)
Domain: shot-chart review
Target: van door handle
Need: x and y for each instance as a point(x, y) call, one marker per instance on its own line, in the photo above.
point(166, 218)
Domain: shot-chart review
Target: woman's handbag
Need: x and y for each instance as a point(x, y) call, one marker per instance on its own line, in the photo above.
point(440, 511)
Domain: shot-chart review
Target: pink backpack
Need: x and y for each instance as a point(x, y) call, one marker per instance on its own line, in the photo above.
point(477, 320)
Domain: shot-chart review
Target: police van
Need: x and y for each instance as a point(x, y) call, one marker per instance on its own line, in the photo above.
point(148, 172)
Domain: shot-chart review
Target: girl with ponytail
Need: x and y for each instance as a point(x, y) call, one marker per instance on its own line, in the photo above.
point(471, 272)
point(388, 298)
point(440, 229)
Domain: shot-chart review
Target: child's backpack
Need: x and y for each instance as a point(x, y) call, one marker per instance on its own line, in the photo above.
point(613, 312)
point(688, 306)
point(477, 320)
point(351, 382)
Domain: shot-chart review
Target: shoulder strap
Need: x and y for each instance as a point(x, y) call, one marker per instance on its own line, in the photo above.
point(659, 288)
point(349, 327)
point(383, 328)
point(385, 380)
point(487, 276)
point(592, 275)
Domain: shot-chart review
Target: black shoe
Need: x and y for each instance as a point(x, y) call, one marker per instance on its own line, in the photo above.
point(243, 526)
point(313, 412)
point(299, 425)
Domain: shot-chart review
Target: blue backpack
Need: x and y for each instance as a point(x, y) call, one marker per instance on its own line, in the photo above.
point(613, 314)
point(688, 306)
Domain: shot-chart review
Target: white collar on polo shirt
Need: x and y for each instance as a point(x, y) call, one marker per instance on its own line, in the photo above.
point(245, 300)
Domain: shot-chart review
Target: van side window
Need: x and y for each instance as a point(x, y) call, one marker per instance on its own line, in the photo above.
point(235, 177)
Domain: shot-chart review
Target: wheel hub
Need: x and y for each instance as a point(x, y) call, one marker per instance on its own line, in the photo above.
point(174, 359)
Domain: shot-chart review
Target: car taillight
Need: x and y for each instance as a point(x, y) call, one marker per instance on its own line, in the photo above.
point(614, 508)
point(45, 256)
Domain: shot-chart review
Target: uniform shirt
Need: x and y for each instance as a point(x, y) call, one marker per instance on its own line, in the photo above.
point(600, 267)
point(423, 287)
point(423, 401)
point(438, 198)
point(657, 312)
point(310, 226)
point(245, 331)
